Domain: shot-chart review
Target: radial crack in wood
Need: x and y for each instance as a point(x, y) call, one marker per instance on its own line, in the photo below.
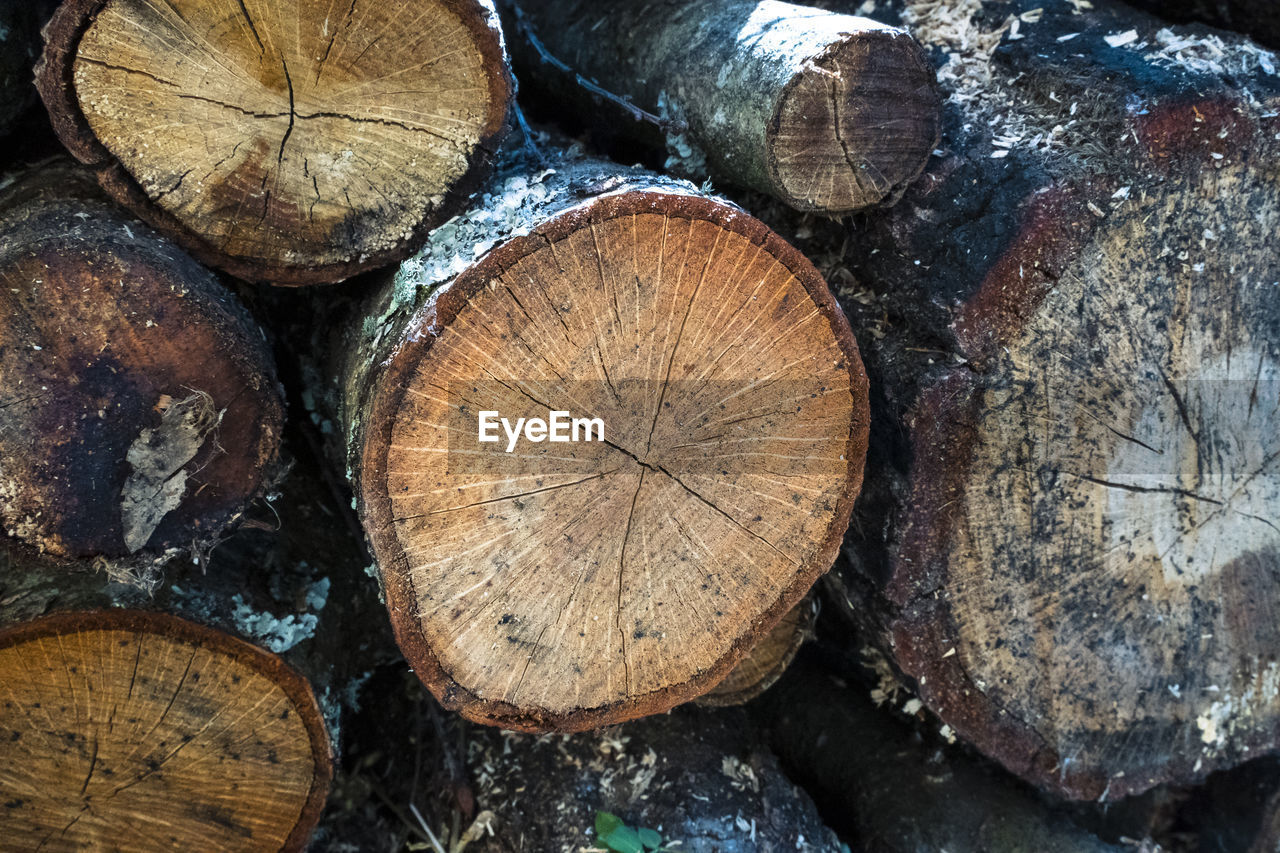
point(562, 586)
point(297, 141)
point(123, 726)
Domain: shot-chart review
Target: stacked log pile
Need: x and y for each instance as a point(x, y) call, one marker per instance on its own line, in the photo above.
point(940, 337)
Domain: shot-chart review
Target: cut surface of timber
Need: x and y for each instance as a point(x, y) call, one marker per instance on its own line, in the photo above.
point(766, 663)
point(830, 113)
point(297, 141)
point(563, 586)
point(125, 727)
point(1075, 537)
point(140, 410)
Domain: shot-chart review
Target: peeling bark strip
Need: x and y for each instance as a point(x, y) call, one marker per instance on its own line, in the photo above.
point(121, 720)
point(830, 113)
point(140, 408)
point(294, 142)
point(619, 578)
point(1073, 536)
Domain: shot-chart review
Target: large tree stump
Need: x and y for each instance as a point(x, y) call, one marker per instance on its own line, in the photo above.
point(293, 142)
point(122, 722)
point(591, 582)
point(829, 113)
point(141, 410)
point(1070, 541)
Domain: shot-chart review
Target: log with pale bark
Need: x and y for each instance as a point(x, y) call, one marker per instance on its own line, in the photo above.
point(565, 586)
point(1070, 537)
point(293, 142)
point(128, 721)
point(141, 410)
point(829, 113)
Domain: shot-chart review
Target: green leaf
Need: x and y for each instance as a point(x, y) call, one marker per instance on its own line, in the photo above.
point(650, 839)
point(616, 835)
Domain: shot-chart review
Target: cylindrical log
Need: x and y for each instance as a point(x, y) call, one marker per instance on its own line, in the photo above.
point(19, 47)
point(293, 142)
point(564, 586)
point(141, 411)
point(766, 663)
point(1070, 539)
point(829, 113)
point(124, 723)
point(898, 790)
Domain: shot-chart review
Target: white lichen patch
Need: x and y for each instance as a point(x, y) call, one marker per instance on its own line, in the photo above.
point(158, 481)
point(281, 633)
point(684, 156)
point(1230, 712)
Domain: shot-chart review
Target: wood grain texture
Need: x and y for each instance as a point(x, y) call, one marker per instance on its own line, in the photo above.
point(1071, 543)
point(140, 409)
point(294, 142)
point(829, 113)
point(621, 577)
point(767, 662)
point(130, 730)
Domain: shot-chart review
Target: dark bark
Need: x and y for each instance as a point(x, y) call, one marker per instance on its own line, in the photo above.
point(1254, 18)
point(1050, 312)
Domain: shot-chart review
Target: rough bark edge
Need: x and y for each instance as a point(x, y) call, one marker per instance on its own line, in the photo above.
point(895, 193)
point(295, 687)
point(946, 415)
point(55, 81)
point(390, 389)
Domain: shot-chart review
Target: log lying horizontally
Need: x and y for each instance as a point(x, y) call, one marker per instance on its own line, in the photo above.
point(122, 721)
point(1071, 533)
point(564, 586)
point(140, 407)
point(293, 141)
point(830, 113)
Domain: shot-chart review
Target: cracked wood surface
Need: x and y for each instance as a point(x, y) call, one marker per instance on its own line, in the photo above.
point(295, 141)
point(110, 337)
point(564, 586)
point(829, 113)
point(127, 728)
point(1071, 543)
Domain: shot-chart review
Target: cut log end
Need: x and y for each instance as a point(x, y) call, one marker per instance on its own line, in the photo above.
point(1121, 459)
point(855, 125)
point(593, 582)
point(123, 724)
point(141, 410)
point(294, 142)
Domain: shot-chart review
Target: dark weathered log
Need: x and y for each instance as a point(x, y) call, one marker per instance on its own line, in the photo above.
point(293, 142)
point(1069, 539)
point(603, 579)
point(698, 777)
point(20, 44)
point(898, 790)
point(141, 411)
point(829, 113)
point(127, 718)
point(1256, 18)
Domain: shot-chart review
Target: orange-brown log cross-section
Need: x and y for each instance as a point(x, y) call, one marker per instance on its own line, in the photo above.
point(130, 730)
point(568, 585)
